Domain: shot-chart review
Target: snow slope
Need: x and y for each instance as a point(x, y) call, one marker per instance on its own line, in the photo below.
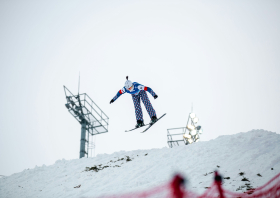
point(251, 153)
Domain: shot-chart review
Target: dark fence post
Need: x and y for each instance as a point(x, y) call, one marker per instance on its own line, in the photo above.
point(218, 181)
point(176, 186)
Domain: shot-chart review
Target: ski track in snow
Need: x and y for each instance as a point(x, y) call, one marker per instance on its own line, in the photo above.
point(254, 152)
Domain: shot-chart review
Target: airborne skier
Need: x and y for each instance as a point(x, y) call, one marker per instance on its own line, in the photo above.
point(138, 91)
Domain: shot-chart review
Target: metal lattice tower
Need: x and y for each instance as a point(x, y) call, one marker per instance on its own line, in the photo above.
point(92, 119)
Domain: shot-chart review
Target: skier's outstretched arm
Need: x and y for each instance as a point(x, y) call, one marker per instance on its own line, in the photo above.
point(122, 91)
point(148, 89)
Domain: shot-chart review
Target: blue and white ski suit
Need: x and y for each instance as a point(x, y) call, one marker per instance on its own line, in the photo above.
point(139, 91)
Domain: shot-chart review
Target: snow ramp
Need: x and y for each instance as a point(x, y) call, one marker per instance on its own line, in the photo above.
point(245, 161)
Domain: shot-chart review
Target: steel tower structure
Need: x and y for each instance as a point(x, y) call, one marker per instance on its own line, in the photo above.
point(92, 119)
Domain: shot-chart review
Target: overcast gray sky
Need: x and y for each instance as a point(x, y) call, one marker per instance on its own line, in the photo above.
point(222, 56)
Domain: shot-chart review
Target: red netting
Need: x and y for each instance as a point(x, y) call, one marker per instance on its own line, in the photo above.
point(174, 189)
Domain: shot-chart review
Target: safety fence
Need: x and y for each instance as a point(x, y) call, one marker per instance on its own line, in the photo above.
point(175, 189)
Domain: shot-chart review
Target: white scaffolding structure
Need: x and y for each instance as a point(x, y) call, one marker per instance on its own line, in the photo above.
point(185, 135)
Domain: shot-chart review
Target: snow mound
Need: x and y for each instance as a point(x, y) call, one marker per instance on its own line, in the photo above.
point(245, 160)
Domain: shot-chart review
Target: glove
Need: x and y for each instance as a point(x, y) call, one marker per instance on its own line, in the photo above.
point(112, 101)
point(155, 97)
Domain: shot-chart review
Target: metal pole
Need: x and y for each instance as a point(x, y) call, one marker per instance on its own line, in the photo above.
point(83, 140)
point(88, 143)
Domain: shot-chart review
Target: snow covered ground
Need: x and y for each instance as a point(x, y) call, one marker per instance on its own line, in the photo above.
point(253, 156)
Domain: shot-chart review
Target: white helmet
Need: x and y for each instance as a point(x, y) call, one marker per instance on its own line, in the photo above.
point(128, 83)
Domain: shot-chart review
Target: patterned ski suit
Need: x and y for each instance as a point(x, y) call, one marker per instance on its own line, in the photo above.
point(139, 91)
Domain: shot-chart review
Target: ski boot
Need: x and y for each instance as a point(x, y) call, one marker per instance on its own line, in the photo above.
point(140, 123)
point(153, 119)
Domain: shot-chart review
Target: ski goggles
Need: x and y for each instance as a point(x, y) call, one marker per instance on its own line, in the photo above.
point(130, 88)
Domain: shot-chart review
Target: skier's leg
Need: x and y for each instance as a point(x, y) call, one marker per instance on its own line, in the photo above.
point(147, 104)
point(137, 106)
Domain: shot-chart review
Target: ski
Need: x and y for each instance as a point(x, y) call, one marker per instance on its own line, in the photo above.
point(136, 128)
point(153, 123)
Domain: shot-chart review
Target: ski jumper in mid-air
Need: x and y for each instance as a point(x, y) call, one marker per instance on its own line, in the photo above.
point(138, 91)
